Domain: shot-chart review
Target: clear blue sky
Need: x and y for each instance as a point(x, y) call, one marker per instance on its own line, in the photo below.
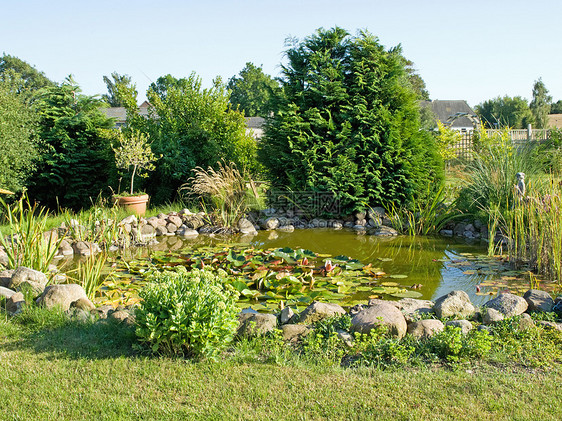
point(473, 50)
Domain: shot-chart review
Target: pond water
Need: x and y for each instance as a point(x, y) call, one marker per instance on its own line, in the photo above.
point(420, 267)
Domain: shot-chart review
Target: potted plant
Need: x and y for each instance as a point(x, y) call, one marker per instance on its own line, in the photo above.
point(133, 150)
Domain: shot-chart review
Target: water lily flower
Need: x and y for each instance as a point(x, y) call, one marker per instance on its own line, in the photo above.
point(328, 266)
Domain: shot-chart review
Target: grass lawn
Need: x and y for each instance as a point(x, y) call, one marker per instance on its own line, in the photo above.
point(71, 371)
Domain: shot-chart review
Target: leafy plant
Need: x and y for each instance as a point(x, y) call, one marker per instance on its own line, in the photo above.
point(29, 243)
point(187, 313)
point(133, 150)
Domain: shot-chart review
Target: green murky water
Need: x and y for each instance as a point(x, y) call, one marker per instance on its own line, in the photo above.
point(425, 266)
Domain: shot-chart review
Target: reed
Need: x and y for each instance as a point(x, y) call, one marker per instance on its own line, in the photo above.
point(229, 192)
point(29, 242)
point(91, 274)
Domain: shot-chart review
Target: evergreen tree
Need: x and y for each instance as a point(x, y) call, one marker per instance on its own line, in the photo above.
point(347, 122)
point(540, 104)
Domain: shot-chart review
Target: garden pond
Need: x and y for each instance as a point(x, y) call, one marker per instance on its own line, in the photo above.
point(273, 268)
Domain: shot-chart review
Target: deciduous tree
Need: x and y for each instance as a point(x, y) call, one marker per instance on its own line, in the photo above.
point(540, 104)
point(252, 91)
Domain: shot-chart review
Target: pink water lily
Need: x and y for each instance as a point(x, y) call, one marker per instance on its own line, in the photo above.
point(328, 266)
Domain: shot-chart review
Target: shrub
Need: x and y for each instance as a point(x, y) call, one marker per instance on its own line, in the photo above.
point(187, 313)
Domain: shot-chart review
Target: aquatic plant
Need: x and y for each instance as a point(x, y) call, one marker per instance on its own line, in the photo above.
point(91, 274)
point(29, 243)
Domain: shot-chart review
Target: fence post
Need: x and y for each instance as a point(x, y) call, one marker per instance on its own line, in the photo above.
point(529, 133)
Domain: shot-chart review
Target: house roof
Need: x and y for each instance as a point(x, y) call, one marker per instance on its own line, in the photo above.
point(118, 113)
point(444, 109)
point(255, 122)
point(555, 121)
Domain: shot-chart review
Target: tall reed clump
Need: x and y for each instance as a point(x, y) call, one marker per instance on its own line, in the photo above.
point(490, 175)
point(229, 192)
point(534, 229)
point(424, 219)
point(91, 274)
point(29, 243)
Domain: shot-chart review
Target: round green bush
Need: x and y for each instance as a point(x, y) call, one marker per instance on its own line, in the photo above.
point(187, 313)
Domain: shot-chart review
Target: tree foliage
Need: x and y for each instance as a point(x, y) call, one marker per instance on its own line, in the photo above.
point(540, 104)
point(347, 122)
point(133, 150)
point(505, 112)
point(77, 161)
point(114, 85)
point(21, 77)
point(556, 107)
point(18, 140)
point(189, 127)
point(252, 91)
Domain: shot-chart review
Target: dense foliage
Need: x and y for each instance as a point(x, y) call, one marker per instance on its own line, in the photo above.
point(23, 78)
point(76, 162)
point(18, 140)
point(347, 122)
point(187, 313)
point(540, 104)
point(505, 112)
point(190, 127)
point(252, 91)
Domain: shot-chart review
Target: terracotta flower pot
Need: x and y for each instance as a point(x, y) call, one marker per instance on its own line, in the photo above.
point(135, 204)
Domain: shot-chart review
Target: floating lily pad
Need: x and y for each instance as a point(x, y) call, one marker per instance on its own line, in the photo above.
point(407, 294)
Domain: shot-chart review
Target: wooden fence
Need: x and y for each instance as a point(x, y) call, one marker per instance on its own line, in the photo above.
point(464, 148)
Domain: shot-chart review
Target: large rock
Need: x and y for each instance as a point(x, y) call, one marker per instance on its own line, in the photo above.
point(380, 313)
point(294, 332)
point(187, 233)
point(410, 307)
point(4, 260)
point(61, 296)
point(491, 316)
point(464, 325)
point(15, 303)
point(176, 220)
point(28, 278)
point(85, 248)
point(270, 223)
point(65, 248)
point(6, 277)
point(246, 227)
point(6, 292)
point(252, 324)
point(286, 315)
point(383, 231)
point(425, 328)
point(538, 300)
point(508, 304)
point(454, 304)
point(318, 311)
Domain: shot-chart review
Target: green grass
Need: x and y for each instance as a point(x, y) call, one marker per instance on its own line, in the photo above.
point(55, 369)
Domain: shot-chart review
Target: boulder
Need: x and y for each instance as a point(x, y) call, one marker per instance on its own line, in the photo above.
point(15, 303)
point(61, 296)
point(176, 220)
point(65, 248)
point(194, 221)
point(252, 324)
point(410, 307)
point(6, 292)
point(526, 322)
point(425, 328)
point(85, 248)
point(129, 220)
point(161, 230)
point(292, 332)
point(187, 233)
point(3, 257)
point(171, 227)
point(538, 300)
point(286, 314)
point(6, 277)
point(491, 316)
point(270, 223)
point(83, 304)
point(454, 304)
point(122, 316)
point(318, 311)
point(147, 231)
point(286, 228)
point(246, 227)
point(380, 313)
point(28, 278)
point(383, 231)
point(465, 325)
point(508, 304)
